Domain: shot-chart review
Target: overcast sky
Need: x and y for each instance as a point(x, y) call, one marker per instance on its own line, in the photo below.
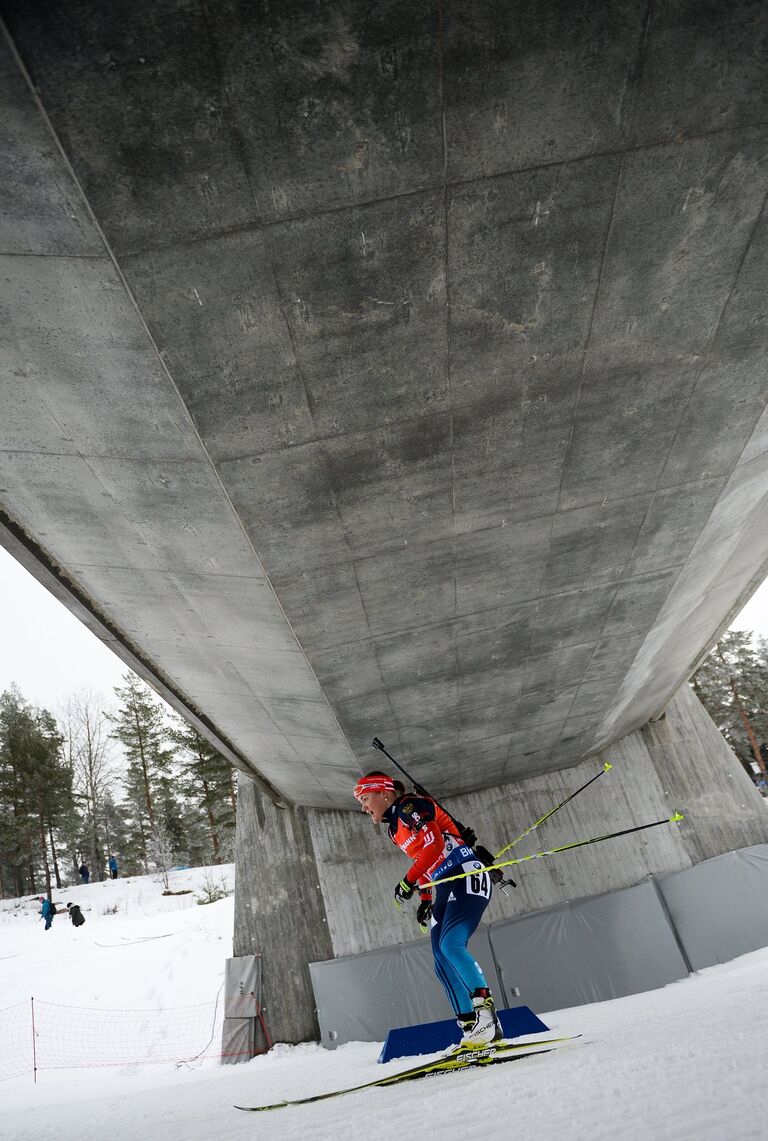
point(49, 654)
point(44, 649)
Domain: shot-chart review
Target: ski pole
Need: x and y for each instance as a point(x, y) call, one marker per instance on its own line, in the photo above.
point(606, 768)
point(674, 819)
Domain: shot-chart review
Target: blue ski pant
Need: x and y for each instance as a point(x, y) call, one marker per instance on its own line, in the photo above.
point(457, 910)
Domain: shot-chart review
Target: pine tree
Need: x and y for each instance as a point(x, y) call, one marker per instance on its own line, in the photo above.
point(139, 725)
point(17, 835)
point(206, 780)
point(172, 813)
point(732, 684)
point(35, 791)
point(116, 835)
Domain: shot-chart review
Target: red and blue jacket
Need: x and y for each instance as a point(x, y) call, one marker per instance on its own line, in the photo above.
point(428, 835)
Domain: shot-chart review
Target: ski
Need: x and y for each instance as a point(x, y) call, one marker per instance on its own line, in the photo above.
point(492, 1056)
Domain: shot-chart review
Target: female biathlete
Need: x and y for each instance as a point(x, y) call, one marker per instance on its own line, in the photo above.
point(428, 836)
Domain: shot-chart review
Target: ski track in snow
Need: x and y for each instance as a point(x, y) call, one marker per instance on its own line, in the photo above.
point(677, 1063)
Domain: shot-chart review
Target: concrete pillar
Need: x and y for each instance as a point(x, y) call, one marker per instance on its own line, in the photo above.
point(279, 910)
point(696, 767)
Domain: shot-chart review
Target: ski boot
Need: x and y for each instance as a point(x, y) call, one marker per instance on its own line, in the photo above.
point(480, 1029)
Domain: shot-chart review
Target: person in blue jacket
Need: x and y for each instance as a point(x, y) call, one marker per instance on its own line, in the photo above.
point(112, 868)
point(46, 911)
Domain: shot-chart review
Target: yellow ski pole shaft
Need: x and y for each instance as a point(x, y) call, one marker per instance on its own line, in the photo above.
point(606, 768)
point(674, 819)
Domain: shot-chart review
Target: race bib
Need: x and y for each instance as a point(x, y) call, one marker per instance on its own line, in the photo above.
point(478, 881)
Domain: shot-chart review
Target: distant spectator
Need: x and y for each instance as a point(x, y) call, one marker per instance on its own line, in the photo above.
point(84, 873)
point(76, 915)
point(47, 911)
point(112, 868)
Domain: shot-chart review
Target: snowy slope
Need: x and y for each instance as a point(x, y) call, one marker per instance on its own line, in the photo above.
point(137, 948)
point(678, 1063)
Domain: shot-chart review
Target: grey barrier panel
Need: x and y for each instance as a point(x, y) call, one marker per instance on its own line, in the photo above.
point(720, 907)
point(242, 1002)
point(361, 997)
point(589, 950)
point(237, 1043)
point(242, 986)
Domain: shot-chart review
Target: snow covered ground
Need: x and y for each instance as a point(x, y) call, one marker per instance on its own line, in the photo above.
point(683, 1062)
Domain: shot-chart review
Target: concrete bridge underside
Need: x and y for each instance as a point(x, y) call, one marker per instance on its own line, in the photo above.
point(396, 367)
point(393, 368)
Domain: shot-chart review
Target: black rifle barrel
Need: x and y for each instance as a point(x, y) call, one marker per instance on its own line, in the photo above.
point(483, 853)
point(379, 744)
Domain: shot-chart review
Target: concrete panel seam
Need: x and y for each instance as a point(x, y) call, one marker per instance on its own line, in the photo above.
point(670, 921)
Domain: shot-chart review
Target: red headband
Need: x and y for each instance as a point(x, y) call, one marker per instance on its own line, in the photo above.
point(375, 783)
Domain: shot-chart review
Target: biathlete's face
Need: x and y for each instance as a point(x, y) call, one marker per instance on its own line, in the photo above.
point(376, 804)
